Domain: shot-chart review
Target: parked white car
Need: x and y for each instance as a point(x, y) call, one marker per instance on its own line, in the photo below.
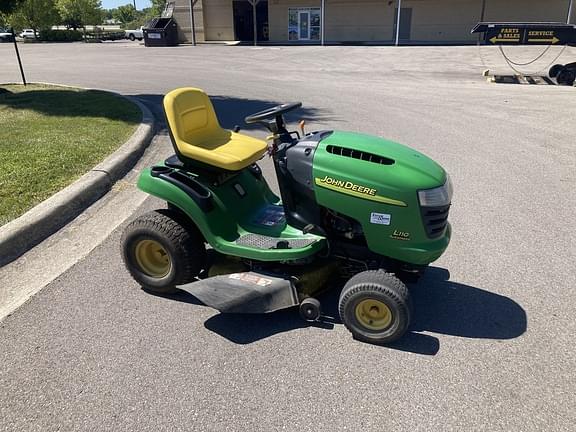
point(27, 34)
point(134, 34)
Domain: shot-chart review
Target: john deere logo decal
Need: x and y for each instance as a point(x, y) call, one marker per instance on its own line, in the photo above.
point(353, 189)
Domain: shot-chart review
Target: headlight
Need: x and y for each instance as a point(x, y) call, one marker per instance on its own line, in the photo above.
point(437, 197)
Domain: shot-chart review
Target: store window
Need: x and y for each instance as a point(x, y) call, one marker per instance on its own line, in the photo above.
point(303, 24)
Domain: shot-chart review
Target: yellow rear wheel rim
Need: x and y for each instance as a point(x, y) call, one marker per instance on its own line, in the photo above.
point(373, 314)
point(152, 258)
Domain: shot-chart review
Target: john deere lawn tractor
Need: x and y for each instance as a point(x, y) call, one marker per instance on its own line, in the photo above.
point(351, 206)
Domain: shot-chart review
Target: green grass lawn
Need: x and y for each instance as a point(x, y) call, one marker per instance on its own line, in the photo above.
point(50, 136)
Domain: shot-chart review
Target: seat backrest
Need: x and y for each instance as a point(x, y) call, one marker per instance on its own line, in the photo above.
point(190, 116)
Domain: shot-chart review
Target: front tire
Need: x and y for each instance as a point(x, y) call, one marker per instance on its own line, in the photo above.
point(375, 306)
point(132, 37)
point(161, 250)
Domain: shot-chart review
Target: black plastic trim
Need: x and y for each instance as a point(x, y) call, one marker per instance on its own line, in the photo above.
point(194, 189)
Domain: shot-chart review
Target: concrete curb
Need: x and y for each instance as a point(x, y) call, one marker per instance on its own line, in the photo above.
point(43, 220)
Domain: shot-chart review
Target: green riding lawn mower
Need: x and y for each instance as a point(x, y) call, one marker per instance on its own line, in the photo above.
point(352, 207)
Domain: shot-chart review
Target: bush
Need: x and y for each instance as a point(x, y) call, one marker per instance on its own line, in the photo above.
point(100, 35)
point(60, 35)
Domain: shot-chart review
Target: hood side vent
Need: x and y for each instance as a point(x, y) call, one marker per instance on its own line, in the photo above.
point(358, 154)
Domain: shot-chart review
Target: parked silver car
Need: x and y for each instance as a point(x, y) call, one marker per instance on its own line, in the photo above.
point(27, 34)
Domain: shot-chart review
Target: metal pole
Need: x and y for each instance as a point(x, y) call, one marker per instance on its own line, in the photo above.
point(18, 57)
point(322, 22)
point(398, 22)
point(254, 2)
point(192, 23)
point(569, 12)
point(482, 14)
point(483, 11)
point(134, 4)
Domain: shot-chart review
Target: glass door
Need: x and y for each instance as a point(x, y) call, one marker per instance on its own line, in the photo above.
point(303, 25)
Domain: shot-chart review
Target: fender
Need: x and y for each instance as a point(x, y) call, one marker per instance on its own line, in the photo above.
point(196, 201)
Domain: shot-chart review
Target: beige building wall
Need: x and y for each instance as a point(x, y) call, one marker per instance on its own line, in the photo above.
point(346, 20)
point(372, 20)
point(219, 20)
point(443, 20)
point(182, 17)
point(361, 20)
point(527, 10)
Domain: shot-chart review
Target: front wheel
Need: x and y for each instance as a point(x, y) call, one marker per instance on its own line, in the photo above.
point(375, 307)
point(132, 37)
point(162, 249)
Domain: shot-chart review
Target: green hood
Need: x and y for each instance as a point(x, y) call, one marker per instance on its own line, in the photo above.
point(410, 168)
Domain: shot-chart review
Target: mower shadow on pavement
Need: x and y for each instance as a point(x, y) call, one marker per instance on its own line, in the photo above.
point(232, 111)
point(440, 306)
point(451, 308)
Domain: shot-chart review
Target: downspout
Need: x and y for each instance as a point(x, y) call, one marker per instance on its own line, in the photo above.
point(482, 14)
point(322, 18)
point(254, 18)
point(398, 23)
point(192, 24)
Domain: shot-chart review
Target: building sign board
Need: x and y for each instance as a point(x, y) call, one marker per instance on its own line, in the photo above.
point(527, 33)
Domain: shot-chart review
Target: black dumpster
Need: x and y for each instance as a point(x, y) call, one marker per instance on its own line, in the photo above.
point(161, 32)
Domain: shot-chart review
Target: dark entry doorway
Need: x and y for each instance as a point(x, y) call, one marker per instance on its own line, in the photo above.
point(244, 23)
point(405, 23)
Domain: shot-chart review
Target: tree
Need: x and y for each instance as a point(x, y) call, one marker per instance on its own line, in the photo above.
point(79, 13)
point(35, 14)
point(157, 7)
point(8, 6)
point(125, 13)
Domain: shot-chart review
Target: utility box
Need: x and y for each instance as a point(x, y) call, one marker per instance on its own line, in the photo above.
point(162, 31)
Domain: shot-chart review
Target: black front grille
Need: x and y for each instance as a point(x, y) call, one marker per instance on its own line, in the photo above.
point(435, 220)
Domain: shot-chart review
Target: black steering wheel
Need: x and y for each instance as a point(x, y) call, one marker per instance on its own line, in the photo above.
point(274, 112)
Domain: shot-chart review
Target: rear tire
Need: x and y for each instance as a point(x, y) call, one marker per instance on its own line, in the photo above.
point(161, 250)
point(375, 306)
point(132, 37)
point(566, 77)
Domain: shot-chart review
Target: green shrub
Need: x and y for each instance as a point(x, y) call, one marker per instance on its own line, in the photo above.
point(60, 35)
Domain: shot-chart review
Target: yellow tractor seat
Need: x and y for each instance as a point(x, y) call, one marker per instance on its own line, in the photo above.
point(197, 134)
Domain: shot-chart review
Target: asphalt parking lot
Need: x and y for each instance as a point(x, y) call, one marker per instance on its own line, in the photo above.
point(492, 344)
